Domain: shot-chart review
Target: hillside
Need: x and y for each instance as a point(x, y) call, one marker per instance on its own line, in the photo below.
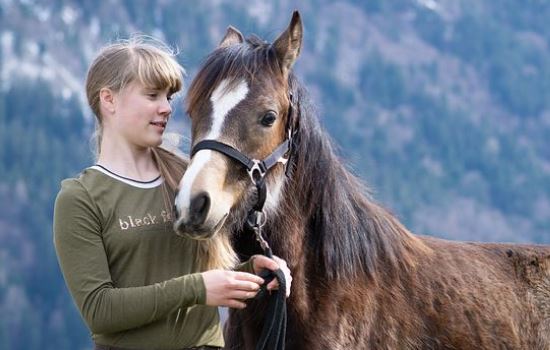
point(442, 107)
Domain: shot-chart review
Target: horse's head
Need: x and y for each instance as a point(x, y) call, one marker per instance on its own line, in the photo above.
point(241, 98)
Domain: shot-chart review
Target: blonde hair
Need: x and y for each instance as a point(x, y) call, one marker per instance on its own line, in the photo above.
point(152, 64)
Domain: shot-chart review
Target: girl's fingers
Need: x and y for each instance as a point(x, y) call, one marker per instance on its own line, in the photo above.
point(273, 285)
point(261, 262)
point(241, 295)
point(245, 286)
point(243, 276)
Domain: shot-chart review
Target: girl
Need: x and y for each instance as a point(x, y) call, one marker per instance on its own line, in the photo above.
point(136, 284)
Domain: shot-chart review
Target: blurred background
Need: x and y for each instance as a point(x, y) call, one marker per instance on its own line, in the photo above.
point(442, 107)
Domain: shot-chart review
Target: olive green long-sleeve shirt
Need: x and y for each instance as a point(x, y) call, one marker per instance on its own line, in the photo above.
point(135, 282)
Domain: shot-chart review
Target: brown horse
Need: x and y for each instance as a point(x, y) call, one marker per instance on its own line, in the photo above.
point(361, 280)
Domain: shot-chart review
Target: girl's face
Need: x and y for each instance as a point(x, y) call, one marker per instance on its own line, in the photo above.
point(141, 114)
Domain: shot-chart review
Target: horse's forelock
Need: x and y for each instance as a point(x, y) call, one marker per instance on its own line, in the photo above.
point(252, 58)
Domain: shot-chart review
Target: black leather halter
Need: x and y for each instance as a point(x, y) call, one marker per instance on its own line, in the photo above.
point(256, 169)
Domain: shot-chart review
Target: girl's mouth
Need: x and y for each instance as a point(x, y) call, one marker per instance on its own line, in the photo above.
point(160, 124)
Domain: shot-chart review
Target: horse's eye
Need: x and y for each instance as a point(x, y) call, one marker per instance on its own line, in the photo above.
point(269, 118)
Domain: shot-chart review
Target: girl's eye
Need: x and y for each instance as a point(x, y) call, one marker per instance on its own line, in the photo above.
point(269, 118)
point(152, 95)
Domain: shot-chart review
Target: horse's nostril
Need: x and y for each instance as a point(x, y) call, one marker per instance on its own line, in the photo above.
point(176, 213)
point(200, 205)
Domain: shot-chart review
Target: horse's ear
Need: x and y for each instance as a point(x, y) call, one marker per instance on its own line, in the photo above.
point(288, 44)
point(232, 37)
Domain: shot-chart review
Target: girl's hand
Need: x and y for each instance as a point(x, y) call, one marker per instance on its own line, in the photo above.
point(260, 262)
point(230, 288)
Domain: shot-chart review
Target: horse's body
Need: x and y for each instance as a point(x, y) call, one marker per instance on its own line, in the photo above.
point(360, 279)
point(457, 296)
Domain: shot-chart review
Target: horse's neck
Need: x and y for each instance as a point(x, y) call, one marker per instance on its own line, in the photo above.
point(326, 218)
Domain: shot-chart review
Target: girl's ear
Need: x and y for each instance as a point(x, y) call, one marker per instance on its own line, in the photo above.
point(107, 99)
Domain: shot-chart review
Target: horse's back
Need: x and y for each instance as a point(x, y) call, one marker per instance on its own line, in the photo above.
point(504, 289)
point(525, 264)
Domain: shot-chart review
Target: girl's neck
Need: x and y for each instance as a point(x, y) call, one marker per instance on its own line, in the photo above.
point(128, 160)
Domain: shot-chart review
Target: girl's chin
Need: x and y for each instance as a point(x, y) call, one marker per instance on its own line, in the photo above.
point(157, 143)
point(155, 140)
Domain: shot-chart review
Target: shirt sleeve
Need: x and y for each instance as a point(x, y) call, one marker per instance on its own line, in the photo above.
point(83, 261)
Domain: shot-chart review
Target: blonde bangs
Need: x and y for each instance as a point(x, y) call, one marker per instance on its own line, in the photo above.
point(157, 70)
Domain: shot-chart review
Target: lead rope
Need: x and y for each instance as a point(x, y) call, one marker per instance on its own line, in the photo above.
point(274, 329)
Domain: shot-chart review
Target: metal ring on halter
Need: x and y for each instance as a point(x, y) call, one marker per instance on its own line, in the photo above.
point(258, 168)
point(257, 219)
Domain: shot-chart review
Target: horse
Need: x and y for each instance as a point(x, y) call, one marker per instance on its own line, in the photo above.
point(361, 279)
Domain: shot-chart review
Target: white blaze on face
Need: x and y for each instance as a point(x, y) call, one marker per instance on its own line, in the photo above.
point(223, 101)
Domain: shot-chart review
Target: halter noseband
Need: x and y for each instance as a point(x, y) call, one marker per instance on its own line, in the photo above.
point(256, 168)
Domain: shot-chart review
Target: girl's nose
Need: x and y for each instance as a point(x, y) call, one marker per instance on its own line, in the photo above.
point(165, 108)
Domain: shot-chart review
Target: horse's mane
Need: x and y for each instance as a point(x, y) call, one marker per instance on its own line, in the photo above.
point(349, 233)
